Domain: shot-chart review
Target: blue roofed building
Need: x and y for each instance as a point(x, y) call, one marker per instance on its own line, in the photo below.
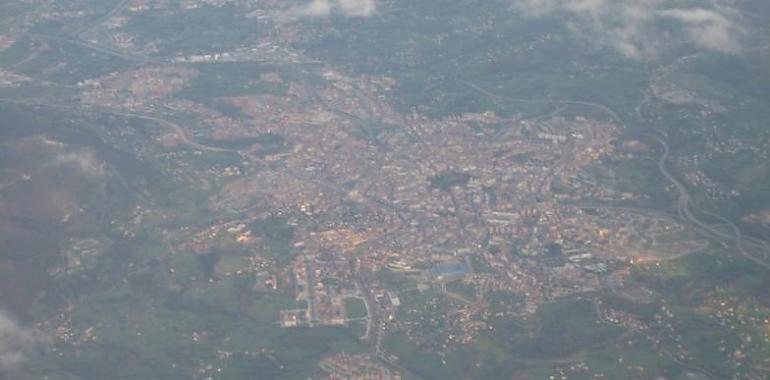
point(448, 272)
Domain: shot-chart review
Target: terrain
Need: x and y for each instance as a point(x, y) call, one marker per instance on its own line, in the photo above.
point(361, 189)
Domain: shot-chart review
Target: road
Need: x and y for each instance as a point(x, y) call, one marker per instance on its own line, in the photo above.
point(364, 296)
point(454, 295)
point(136, 58)
point(614, 115)
point(120, 6)
point(311, 301)
point(685, 210)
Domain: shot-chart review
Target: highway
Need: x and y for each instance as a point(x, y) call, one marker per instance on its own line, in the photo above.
point(130, 57)
point(685, 210)
point(120, 6)
point(364, 296)
point(614, 115)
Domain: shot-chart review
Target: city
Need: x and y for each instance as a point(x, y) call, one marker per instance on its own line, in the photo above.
point(226, 189)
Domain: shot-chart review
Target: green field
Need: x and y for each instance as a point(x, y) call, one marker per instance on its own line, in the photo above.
point(355, 308)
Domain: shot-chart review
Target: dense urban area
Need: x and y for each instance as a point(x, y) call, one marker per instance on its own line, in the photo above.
point(361, 189)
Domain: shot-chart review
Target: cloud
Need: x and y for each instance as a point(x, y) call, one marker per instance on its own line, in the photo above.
point(358, 8)
point(325, 8)
point(83, 160)
point(15, 343)
point(643, 28)
point(708, 28)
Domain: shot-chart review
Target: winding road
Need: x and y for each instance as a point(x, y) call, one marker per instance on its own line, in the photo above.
point(614, 115)
point(685, 210)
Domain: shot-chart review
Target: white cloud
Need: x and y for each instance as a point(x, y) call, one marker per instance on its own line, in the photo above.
point(15, 341)
point(642, 28)
point(358, 8)
point(708, 28)
point(83, 160)
point(316, 8)
point(325, 8)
